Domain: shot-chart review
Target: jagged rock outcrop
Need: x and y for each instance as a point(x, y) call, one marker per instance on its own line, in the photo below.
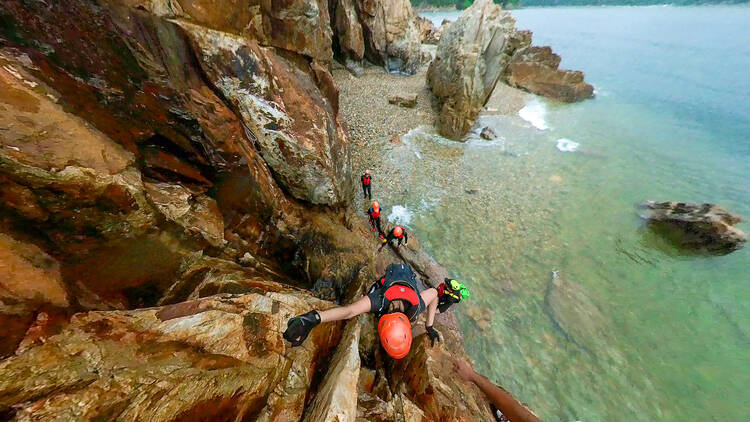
point(483, 46)
point(221, 358)
point(143, 87)
point(706, 227)
point(348, 29)
point(471, 56)
point(535, 69)
point(389, 32)
point(30, 282)
point(428, 33)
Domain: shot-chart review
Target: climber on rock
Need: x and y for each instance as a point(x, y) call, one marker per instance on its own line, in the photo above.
point(398, 233)
point(367, 184)
point(397, 299)
point(450, 292)
point(374, 215)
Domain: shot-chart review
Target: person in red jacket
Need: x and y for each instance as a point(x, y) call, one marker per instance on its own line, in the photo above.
point(366, 185)
point(398, 233)
point(374, 214)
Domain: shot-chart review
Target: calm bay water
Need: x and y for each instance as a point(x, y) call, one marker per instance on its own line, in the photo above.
point(638, 330)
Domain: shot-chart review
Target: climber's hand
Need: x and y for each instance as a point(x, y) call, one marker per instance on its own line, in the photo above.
point(433, 335)
point(299, 327)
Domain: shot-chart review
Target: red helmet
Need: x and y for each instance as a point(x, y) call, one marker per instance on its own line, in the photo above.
point(398, 231)
point(395, 334)
point(375, 209)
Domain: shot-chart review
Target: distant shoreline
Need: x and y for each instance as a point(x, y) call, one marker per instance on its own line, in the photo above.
point(427, 8)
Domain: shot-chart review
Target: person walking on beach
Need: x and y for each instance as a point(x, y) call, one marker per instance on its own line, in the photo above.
point(398, 233)
point(374, 215)
point(366, 185)
point(397, 299)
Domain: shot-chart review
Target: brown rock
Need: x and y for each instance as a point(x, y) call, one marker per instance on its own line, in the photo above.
point(408, 100)
point(391, 34)
point(468, 64)
point(428, 34)
point(427, 379)
point(336, 399)
point(222, 356)
point(706, 227)
point(535, 69)
point(487, 133)
point(195, 213)
point(30, 280)
point(349, 30)
point(293, 123)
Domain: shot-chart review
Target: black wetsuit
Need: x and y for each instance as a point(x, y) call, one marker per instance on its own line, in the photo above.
point(391, 236)
point(366, 186)
point(375, 221)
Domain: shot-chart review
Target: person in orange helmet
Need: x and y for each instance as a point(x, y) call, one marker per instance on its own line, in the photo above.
point(397, 233)
point(374, 215)
point(397, 299)
point(367, 185)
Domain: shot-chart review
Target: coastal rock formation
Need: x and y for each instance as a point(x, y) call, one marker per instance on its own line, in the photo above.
point(707, 227)
point(218, 358)
point(403, 100)
point(174, 179)
point(480, 48)
point(428, 33)
point(471, 56)
point(535, 69)
point(385, 32)
point(348, 29)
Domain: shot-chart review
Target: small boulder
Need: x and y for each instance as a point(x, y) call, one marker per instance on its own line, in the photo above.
point(404, 100)
point(706, 227)
point(488, 134)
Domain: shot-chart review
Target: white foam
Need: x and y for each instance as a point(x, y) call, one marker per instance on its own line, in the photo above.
point(400, 215)
point(534, 112)
point(566, 145)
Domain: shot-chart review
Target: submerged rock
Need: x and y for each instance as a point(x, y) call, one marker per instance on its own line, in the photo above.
point(706, 227)
point(471, 56)
point(573, 313)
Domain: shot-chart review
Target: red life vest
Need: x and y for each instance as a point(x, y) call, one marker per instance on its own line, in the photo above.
point(403, 292)
point(366, 180)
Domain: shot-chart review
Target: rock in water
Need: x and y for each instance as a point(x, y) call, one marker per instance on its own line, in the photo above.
point(705, 227)
point(471, 56)
point(221, 358)
point(488, 134)
point(535, 69)
point(404, 100)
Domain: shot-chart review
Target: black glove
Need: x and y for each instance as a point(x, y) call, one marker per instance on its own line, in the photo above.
point(433, 335)
point(299, 327)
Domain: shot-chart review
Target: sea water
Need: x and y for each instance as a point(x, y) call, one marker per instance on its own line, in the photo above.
point(629, 327)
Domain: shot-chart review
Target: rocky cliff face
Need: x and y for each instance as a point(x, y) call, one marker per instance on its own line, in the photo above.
point(385, 32)
point(175, 182)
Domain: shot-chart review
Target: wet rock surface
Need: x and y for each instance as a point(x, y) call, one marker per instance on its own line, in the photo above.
point(703, 227)
point(535, 69)
point(468, 64)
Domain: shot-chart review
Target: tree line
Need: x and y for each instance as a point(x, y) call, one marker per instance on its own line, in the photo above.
point(508, 4)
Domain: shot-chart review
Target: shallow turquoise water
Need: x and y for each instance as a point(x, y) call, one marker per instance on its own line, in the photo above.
point(649, 333)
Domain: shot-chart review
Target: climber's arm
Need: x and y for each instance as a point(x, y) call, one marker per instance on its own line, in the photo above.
point(361, 306)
